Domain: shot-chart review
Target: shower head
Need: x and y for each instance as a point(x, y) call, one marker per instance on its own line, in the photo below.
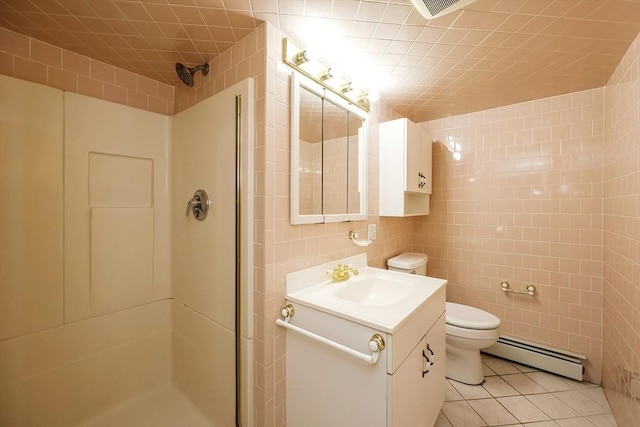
point(186, 73)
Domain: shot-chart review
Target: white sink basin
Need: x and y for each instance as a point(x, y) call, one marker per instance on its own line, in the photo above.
point(378, 298)
point(375, 290)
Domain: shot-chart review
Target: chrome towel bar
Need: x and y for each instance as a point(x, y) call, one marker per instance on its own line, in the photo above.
point(376, 343)
point(530, 289)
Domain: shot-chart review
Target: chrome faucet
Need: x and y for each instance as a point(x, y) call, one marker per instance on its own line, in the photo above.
point(342, 272)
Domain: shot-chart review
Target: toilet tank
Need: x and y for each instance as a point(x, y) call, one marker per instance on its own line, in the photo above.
point(409, 262)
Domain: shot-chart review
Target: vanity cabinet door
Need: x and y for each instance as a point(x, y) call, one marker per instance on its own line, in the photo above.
point(418, 159)
point(417, 388)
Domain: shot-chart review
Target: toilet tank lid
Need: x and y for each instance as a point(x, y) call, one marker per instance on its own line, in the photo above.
point(408, 260)
point(465, 316)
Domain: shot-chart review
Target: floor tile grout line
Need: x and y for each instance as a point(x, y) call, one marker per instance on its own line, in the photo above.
point(571, 388)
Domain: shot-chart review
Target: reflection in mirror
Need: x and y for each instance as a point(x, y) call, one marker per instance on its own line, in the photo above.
point(328, 152)
point(310, 167)
point(355, 135)
point(335, 141)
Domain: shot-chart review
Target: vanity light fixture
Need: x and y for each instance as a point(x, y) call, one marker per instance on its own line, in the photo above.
point(325, 75)
point(302, 57)
point(348, 88)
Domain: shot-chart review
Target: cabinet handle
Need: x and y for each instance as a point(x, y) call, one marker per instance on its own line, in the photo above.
point(433, 356)
point(421, 180)
point(427, 362)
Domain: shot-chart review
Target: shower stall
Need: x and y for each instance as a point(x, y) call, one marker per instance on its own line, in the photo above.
point(116, 308)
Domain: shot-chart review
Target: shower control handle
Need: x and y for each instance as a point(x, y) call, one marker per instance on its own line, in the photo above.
point(199, 205)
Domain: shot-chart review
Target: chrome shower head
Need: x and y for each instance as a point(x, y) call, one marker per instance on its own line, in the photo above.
point(186, 73)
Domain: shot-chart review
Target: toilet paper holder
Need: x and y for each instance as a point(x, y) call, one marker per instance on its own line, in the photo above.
point(530, 288)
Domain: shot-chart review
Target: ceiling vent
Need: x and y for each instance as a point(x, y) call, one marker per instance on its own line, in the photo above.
point(431, 9)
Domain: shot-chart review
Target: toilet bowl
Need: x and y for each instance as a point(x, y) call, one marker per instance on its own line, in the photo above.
point(468, 329)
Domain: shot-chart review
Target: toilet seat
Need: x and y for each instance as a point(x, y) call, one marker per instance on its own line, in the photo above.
point(464, 316)
point(472, 334)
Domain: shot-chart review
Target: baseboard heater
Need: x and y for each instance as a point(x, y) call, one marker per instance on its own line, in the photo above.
point(565, 363)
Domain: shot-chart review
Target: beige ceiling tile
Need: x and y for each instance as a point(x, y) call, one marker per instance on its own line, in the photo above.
point(241, 20)
point(396, 13)
point(536, 25)
point(173, 30)
point(79, 8)
point(268, 6)
point(474, 37)
point(137, 42)
point(20, 5)
point(370, 11)
point(453, 36)
point(558, 8)
point(347, 10)
point(240, 33)
point(106, 9)
point(133, 11)
point(318, 8)
point(419, 49)
point(197, 32)
point(533, 7)
point(51, 7)
point(150, 55)
point(514, 22)
point(222, 34)
point(291, 7)
point(459, 51)
point(160, 44)
point(97, 25)
point(188, 15)
point(161, 13)
point(399, 47)
point(408, 32)
point(148, 29)
point(40, 20)
point(480, 20)
point(218, 4)
point(206, 47)
point(122, 26)
point(431, 34)
point(237, 4)
point(378, 46)
point(215, 17)
point(439, 50)
point(506, 6)
point(363, 29)
point(70, 23)
point(386, 31)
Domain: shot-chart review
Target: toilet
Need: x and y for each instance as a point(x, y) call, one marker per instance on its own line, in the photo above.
point(468, 329)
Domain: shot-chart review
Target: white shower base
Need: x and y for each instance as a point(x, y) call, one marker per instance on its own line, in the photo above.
point(162, 407)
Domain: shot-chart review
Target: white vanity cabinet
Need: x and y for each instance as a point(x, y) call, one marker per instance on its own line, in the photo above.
point(328, 388)
point(405, 169)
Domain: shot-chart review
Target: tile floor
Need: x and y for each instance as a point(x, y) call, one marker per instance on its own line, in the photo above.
point(517, 395)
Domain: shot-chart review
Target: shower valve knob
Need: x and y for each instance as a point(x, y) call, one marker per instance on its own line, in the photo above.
point(199, 205)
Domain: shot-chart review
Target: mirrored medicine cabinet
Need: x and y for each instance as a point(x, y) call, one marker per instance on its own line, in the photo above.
point(328, 155)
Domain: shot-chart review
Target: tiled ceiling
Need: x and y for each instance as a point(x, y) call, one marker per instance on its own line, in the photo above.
point(492, 53)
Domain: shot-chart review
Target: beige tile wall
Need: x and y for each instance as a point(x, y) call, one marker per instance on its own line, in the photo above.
point(622, 238)
point(35, 61)
point(517, 196)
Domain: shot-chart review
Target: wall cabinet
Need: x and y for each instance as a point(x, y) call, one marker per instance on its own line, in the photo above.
point(405, 388)
point(405, 169)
